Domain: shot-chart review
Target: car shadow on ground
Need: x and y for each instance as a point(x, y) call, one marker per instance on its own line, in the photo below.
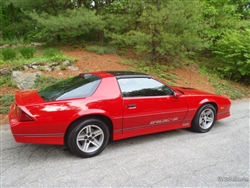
point(41, 152)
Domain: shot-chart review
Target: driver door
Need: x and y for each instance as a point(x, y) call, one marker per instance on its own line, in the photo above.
point(149, 103)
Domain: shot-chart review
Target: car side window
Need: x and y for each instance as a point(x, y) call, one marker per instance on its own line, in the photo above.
point(143, 87)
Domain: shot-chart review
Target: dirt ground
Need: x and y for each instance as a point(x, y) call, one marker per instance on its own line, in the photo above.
point(90, 61)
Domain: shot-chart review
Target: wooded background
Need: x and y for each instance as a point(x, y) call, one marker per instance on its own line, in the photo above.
point(160, 30)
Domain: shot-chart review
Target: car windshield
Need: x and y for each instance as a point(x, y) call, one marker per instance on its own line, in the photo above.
point(80, 86)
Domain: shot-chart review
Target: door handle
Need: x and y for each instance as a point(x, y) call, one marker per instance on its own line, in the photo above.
point(132, 106)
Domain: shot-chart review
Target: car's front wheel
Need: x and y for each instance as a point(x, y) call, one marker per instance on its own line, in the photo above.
point(88, 138)
point(204, 119)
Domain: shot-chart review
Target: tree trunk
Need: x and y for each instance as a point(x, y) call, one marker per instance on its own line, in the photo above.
point(100, 35)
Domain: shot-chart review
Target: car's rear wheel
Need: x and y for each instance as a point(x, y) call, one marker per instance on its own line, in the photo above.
point(88, 138)
point(204, 119)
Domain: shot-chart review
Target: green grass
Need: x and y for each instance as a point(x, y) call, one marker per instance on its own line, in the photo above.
point(8, 54)
point(44, 81)
point(12, 41)
point(101, 49)
point(27, 52)
point(25, 55)
point(5, 81)
point(5, 102)
point(224, 87)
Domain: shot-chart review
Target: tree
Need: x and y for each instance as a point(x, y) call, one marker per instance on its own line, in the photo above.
point(233, 54)
point(11, 18)
point(224, 15)
point(164, 29)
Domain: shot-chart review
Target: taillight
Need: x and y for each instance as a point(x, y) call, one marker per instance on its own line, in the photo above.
point(22, 116)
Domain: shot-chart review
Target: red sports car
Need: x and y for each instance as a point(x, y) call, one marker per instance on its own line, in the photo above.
point(87, 111)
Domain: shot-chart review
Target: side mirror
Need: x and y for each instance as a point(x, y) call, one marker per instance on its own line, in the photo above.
point(176, 95)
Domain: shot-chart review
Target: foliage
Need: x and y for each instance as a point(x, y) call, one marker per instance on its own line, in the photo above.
point(50, 52)
point(101, 49)
point(233, 54)
point(157, 30)
point(224, 87)
point(27, 52)
point(44, 81)
point(169, 29)
point(14, 23)
point(12, 41)
point(5, 102)
point(72, 24)
point(53, 55)
point(8, 53)
point(225, 14)
point(160, 71)
point(5, 80)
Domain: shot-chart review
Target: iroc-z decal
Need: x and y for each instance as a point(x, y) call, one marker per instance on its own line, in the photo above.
point(162, 121)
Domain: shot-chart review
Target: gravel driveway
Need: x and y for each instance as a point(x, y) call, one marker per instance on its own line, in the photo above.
point(175, 158)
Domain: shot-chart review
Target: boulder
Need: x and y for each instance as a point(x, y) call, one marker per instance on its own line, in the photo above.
point(24, 80)
point(72, 67)
point(4, 71)
point(66, 63)
point(47, 68)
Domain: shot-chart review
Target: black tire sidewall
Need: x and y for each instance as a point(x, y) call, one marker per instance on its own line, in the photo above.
point(74, 132)
point(195, 124)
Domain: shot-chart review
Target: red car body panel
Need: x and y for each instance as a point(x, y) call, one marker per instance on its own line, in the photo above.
point(128, 116)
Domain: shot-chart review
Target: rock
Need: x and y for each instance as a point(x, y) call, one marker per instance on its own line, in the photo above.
point(54, 64)
point(72, 67)
point(24, 80)
point(37, 63)
point(66, 63)
point(57, 68)
point(26, 67)
point(4, 71)
point(34, 67)
point(5, 46)
point(35, 44)
point(47, 68)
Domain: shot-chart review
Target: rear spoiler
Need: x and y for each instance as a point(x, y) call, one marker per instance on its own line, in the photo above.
point(28, 97)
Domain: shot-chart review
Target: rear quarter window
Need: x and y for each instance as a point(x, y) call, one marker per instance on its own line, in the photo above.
point(80, 86)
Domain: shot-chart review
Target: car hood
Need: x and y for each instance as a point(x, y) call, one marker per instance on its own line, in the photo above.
point(28, 97)
point(191, 91)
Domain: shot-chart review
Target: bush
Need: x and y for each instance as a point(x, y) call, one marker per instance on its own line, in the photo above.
point(5, 102)
point(102, 49)
point(5, 80)
point(44, 81)
point(54, 55)
point(49, 53)
point(233, 54)
point(8, 53)
point(27, 52)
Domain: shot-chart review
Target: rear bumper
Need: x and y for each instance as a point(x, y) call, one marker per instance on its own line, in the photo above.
point(29, 132)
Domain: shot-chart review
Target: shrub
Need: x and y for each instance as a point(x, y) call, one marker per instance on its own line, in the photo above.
point(5, 102)
point(8, 53)
point(44, 81)
point(233, 54)
point(49, 53)
point(102, 49)
point(27, 52)
point(6, 99)
point(5, 80)
point(54, 55)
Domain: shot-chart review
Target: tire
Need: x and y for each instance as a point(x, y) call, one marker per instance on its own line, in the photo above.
point(204, 119)
point(88, 138)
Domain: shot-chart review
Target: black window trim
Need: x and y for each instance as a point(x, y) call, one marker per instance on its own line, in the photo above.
point(142, 76)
